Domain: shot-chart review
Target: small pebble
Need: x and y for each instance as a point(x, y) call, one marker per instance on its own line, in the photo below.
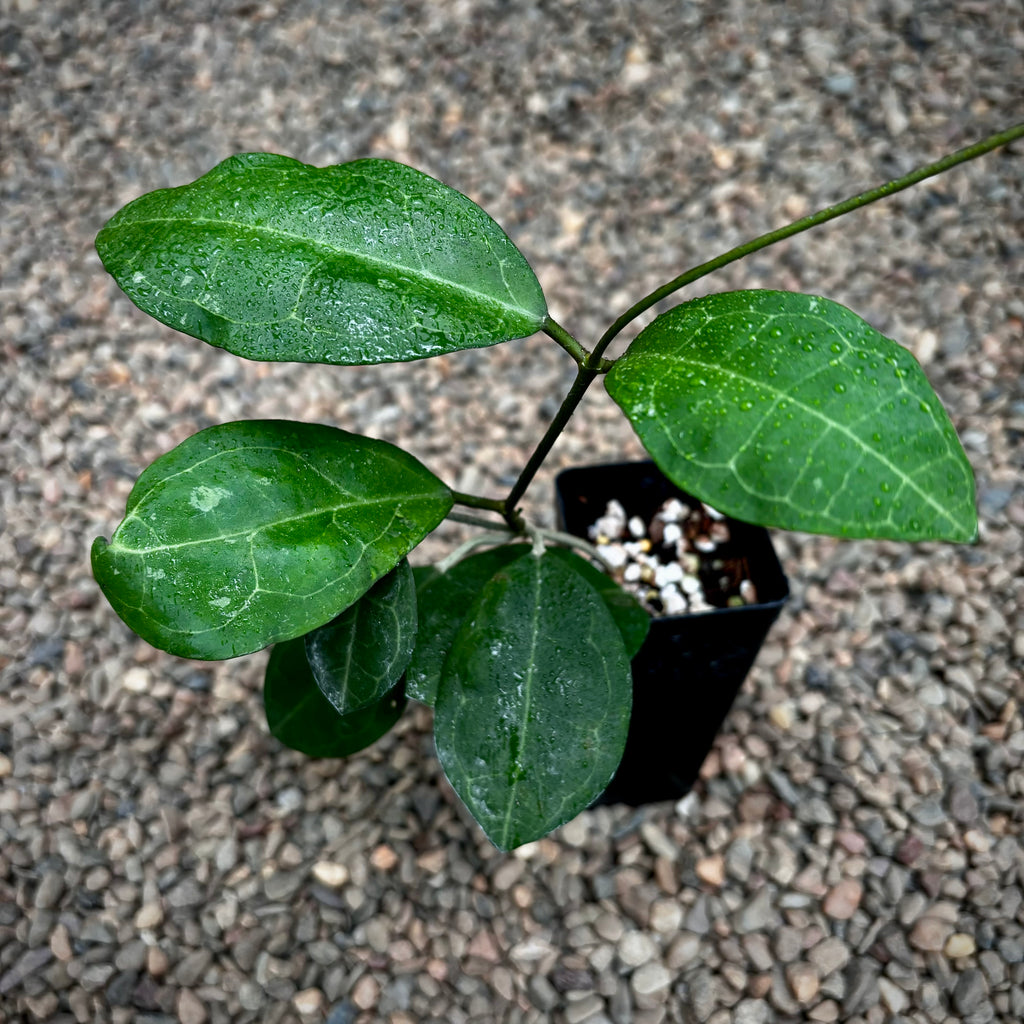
point(636, 948)
point(959, 944)
point(613, 555)
point(330, 873)
point(711, 869)
point(190, 1009)
point(157, 962)
point(803, 982)
point(930, 934)
point(843, 899)
point(309, 1002)
point(366, 992)
point(384, 858)
point(672, 534)
point(150, 916)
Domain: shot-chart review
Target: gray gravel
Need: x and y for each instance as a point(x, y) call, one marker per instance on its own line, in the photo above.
point(853, 852)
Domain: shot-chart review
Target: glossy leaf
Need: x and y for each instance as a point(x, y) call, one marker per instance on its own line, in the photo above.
point(358, 657)
point(444, 599)
point(302, 718)
point(250, 533)
point(629, 615)
point(533, 708)
point(789, 410)
point(364, 262)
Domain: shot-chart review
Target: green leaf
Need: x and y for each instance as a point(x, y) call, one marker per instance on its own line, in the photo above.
point(250, 533)
point(630, 616)
point(364, 262)
point(302, 718)
point(358, 656)
point(533, 708)
point(789, 410)
point(444, 599)
point(422, 574)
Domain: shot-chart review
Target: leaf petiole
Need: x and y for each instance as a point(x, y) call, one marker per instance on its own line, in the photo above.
point(583, 358)
point(492, 537)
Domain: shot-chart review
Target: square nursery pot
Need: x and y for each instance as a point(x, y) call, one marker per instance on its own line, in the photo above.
point(691, 666)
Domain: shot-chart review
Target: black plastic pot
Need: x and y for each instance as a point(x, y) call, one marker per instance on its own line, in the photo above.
point(691, 667)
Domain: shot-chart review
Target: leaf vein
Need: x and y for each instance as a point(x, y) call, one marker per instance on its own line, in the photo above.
point(335, 250)
point(815, 414)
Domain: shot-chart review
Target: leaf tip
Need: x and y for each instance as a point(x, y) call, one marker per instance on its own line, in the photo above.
point(96, 552)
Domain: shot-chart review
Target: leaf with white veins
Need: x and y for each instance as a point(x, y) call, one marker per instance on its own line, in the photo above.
point(302, 718)
point(789, 410)
point(358, 657)
point(533, 708)
point(363, 262)
point(253, 532)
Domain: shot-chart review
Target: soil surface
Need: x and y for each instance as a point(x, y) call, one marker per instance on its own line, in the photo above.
point(853, 851)
point(682, 558)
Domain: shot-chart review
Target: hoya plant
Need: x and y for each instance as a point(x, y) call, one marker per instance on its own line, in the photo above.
point(780, 409)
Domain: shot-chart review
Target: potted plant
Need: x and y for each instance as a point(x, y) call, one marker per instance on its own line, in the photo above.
point(712, 587)
point(777, 409)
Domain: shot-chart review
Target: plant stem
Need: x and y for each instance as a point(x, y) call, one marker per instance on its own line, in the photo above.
point(476, 501)
point(464, 549)
point(584, 378)
point(588, 367)
point(514, 520)
point(468, 520)
point(804, 223)
point(570, 541)
point(553, 329)
point(592, 364)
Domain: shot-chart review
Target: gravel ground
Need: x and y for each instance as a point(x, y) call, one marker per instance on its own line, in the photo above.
point(853, 852)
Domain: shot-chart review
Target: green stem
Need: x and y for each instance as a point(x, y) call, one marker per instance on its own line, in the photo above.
point(468, 520)
point(553, 329)
point(570, 541)
point(593, 364)
point(464, 549)
point(810, 221)
point(514, 520)
point(584, 378)
point(588, 367)
point(476, 501)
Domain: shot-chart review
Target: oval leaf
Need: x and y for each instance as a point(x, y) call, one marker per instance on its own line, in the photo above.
point(444, 599)
point(364, 262)
point(250, 533)
point(359, 656)
point(302, 718)
point(789, 410)
point(630, 616)
point(533, 708)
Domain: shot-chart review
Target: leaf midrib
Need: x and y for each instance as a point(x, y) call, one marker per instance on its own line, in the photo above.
point(527, 700)
point(351, 627)
point(330, 509)
point(335, 250)
point(297, 707)
point(734, 375)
